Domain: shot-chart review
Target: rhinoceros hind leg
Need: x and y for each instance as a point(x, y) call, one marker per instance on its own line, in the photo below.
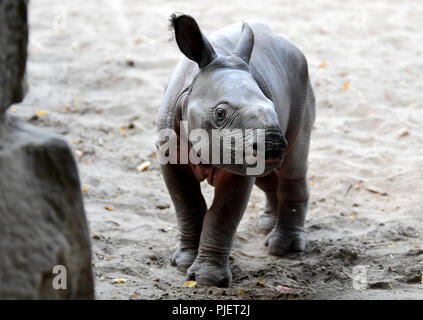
point(289, 233)
point(268, 216)
point(293, 194)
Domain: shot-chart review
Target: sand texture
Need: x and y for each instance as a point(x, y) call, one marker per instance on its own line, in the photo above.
point(97, 72)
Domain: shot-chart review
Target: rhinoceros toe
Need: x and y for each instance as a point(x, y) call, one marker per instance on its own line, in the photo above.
point(209, 274)
point(183, 258)
point(281, 242)
point(266, 221)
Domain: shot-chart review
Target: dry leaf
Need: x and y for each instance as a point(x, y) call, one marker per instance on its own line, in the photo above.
point(134, 295)
point(280, 288)
point(144, 166)
point(162, 206)
point(240, 292)
point(190, 284)
point(260, 284)
point(129, 61)
point(345, 85)
point(403, 133)
point(323, 64)
point(118, 281)
point(353, 217)
point(67, 108)
point(122, 131)
point(79, 153)
point(108, 208)
point(84, 188)
point(40, 113)
point(252, 205)
point(12, 109)
point(416, 246)
point(375, 189)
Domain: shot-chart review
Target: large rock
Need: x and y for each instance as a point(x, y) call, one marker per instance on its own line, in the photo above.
point(13, 51)
point(42, 219)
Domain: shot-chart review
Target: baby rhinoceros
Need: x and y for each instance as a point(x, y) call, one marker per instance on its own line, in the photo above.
point(243, 78)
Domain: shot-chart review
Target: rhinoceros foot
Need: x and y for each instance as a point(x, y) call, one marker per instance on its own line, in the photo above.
point(266, 221)
point(283, 241)
point(207, 273)
point(183, 258)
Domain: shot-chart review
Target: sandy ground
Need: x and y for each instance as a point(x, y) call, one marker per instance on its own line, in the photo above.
point(98, 71)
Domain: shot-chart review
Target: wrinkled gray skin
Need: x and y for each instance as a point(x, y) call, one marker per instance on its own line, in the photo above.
point(261, 80)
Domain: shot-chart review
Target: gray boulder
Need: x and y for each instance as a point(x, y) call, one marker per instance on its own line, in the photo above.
point(13, 51)
point(42, 219)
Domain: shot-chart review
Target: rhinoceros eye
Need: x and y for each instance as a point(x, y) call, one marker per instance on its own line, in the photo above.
point(220, 114)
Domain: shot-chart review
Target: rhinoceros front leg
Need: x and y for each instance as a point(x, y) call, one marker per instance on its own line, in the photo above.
point(211, 267)
point(190, 207)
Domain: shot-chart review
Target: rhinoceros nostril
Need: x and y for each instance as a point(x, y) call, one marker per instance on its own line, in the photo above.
point(275, 144)
point(274, 153)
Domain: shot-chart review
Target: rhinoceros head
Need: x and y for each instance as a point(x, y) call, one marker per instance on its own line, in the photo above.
point(225, 101)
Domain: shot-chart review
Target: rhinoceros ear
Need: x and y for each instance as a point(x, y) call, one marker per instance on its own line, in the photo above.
point(245, 44)
point(191, 41)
